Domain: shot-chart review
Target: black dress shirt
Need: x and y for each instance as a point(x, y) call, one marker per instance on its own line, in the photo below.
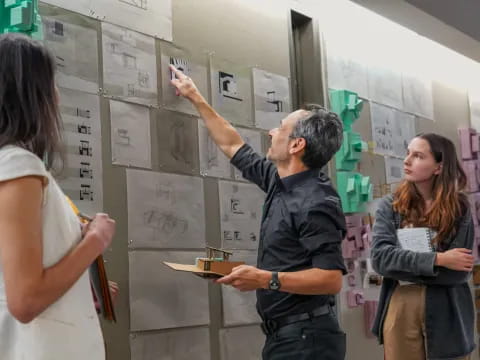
point(302, 228)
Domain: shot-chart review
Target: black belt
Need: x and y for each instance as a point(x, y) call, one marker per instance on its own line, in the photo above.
point(269, 326)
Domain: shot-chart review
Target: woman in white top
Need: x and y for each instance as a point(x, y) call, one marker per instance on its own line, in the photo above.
point(46, 305)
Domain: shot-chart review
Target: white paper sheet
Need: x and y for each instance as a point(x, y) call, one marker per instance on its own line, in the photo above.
point(82, 178)
point(162, 298)
point(76, 53)
point(417, 96)
point(271, 98)
point(232, 91)
point(393, 169)
point(382, 118)
point(192, 65)
point(385, 86)
point(129, 65)
point(403, 133)
point(212, 161)
point(241, 208)
point(348, 74)
point(165, 210)
point(152, 17)
point(131, 142)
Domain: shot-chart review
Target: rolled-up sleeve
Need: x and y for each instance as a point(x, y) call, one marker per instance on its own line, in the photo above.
point(254, 168)
point(321, 236)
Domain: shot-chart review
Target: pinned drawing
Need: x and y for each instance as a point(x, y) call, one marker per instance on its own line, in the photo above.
point(212, 161)
point(165, 210)
point(187, 303)
point(382, 119)
point(129, 66)
point(177, 142)
point(385, 86)
point(403, 132)
point(393, 169)
point(191, 65)
point(417, 96)
point(231, 91)
point(131, 145)
point(81, 179)
point(150, 17)
point(240, 214)
point(272, 98)
point(75, 49)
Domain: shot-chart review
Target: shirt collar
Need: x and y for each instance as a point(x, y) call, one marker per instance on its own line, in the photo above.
point(291, 181)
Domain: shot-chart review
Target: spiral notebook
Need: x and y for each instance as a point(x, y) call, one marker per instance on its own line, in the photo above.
point(417, 239)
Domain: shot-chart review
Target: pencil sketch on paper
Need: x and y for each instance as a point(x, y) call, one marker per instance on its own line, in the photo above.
point(179, 148)
point(141, 4)
point(227, 86)
point(165, 210)
point(240, 214)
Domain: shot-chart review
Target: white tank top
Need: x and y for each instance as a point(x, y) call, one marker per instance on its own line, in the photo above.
point(69, 328)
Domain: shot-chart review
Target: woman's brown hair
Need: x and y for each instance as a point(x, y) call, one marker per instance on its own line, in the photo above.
point(449, 202)
point(29, 113)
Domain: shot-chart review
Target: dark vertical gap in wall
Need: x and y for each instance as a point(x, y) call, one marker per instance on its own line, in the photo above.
point(305, 61)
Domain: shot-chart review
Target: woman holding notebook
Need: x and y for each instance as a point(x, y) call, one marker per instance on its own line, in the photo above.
point(46, 305)
point(422, 245)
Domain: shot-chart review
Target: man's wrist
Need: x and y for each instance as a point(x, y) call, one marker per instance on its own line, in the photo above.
point(265, 278)
point(197, 99)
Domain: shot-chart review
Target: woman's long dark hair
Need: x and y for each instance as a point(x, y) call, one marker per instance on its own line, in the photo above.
point(449, 201)
point(29, 112)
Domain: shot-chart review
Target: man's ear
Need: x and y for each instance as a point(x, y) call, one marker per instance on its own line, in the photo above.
point(298, 145)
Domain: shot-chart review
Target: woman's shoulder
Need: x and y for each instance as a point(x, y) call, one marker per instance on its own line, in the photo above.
point(16, 161)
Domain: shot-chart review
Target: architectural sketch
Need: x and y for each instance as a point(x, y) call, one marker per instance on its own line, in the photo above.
point(232, 91)
point(382, 119)
point(165, 210)
point(403, 132)
point(177, 142)
point(240, 214)
point(393, 169)
point(141, 4)
point(385, 86)
point(417, 96)
point(187, 303)
point(131, 144)
point(76, 52)
point(150, 17)
point(272, 98)
point(212, 161)
point(81, 179)
point(192, 66)
point(129, 69)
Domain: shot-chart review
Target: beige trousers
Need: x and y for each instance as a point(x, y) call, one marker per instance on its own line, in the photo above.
point(404, 325)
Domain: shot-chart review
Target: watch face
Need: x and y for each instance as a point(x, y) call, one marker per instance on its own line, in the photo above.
point(274, 285)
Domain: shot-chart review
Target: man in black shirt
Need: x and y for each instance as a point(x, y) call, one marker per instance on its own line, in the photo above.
point(300, 264)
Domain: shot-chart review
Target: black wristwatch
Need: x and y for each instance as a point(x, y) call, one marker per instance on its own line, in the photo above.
point(274, 283)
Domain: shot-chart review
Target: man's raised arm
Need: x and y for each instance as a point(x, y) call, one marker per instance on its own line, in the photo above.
point(222, 132)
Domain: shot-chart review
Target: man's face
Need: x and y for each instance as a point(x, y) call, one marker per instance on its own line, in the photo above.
point(280, 137)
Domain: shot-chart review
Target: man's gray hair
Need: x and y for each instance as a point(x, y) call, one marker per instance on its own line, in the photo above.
point(323, 134)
